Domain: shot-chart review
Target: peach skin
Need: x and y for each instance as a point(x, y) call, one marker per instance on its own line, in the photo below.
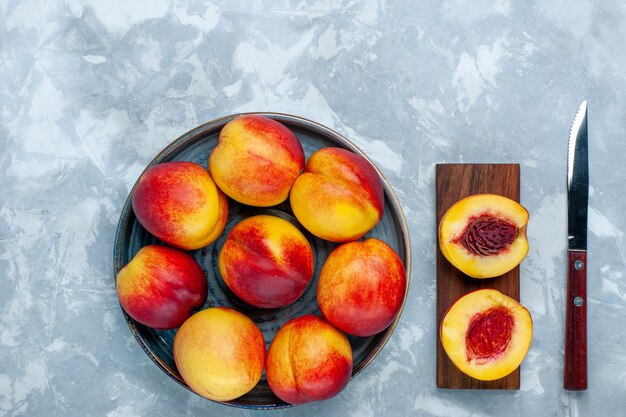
point(339, 196)
point(220, 353)
point(308, 360)
point(362, 287)
point(256, 160)
point(266, 261)
point(161, 286)
point(179, 203)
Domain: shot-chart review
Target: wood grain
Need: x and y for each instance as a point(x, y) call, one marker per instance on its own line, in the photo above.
point(453, 182)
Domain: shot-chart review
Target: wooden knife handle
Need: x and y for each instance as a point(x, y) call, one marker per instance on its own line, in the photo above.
point(575, 378)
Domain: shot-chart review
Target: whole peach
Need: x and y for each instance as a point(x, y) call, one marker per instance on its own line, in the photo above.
point(362, 287)
point(220, 353)
point(266, 261)
point(308, 360)
point(161, 286)
point(256, 160)
point(339, 197)
point(179, 203)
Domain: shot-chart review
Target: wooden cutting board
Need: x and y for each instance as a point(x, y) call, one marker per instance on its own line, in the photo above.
point(455, 181)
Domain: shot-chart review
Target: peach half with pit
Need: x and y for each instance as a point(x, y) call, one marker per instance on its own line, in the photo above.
point(308, 360)
point(339, 196)
point(484, 235)
point(220, 353)
point(266, 261)
point(179, 203)
point(486, 334)
point(256, 160)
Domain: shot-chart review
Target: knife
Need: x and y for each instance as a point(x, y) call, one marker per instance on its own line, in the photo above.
point(575, 372)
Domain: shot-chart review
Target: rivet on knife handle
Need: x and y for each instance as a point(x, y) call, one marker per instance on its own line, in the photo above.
point(576, 323)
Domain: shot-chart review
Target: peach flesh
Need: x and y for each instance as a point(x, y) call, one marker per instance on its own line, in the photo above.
point(489, 334)
point(487, 235)
point(493, 228)
point(486, 334)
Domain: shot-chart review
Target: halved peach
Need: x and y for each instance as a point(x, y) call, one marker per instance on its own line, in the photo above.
point(486, 334)
point(484, 235)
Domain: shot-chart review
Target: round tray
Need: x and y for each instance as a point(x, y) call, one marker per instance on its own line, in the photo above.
point(195, 146)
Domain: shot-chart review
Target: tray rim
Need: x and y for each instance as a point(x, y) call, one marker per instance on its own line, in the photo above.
point(302, 123)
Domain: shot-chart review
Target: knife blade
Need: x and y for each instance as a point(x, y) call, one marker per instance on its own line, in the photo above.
point(575, 370)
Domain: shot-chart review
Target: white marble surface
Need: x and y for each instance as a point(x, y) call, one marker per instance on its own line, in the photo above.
point(91, 90)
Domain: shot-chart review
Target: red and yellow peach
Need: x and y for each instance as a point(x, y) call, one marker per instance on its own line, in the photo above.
point(362, 287)
point(484, 235)
point(308, 360)
point(266, 261)
point(256, 160)
point(161, 286)
point(179, 203)
point(220, 353)
point(339, 197)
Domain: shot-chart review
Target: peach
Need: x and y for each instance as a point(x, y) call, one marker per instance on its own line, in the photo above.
point(179, 203)
point(339, 197)
point(486, 334)
point(220, 353)
point(362, 287)
point(161, 286)
point(256, 160)
point(308, 360)
point(266, 261)
point(484, 235)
